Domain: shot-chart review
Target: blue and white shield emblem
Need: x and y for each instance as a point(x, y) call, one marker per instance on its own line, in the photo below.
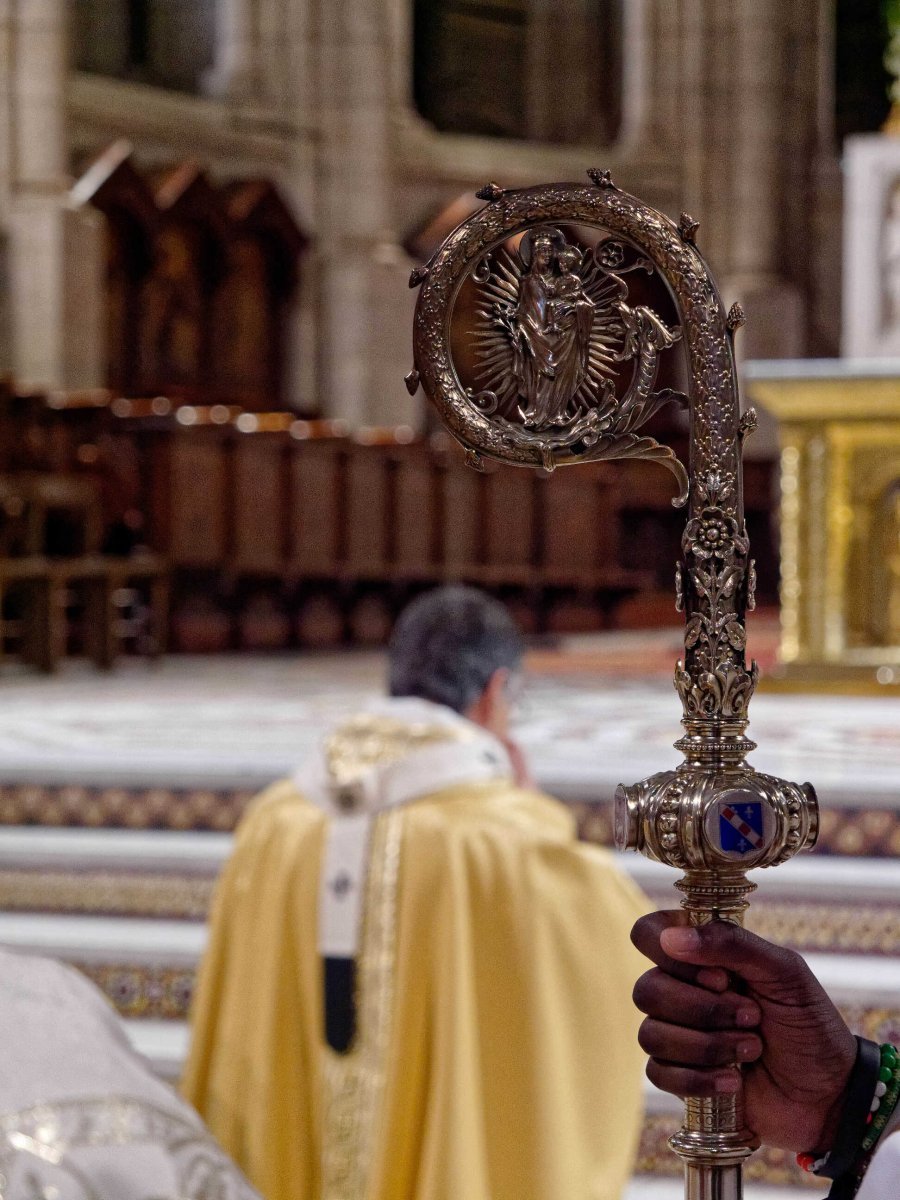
point(742, 827)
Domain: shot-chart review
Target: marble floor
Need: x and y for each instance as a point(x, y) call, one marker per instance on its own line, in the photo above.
point(127, 905)
point(239, 721)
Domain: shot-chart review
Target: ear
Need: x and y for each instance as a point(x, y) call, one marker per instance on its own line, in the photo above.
point(495, 688)
point(489, 710)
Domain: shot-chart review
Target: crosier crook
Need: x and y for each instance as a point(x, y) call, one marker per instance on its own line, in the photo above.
point(714, 816)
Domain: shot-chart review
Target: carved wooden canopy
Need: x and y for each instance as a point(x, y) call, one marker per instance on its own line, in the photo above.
point(198, 278)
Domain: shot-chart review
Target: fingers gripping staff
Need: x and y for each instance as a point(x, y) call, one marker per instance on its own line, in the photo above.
point(808, 1084)
point(529, 343)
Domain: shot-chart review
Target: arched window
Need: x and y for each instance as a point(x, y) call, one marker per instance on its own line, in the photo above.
point(168, 43)
point(548, 70)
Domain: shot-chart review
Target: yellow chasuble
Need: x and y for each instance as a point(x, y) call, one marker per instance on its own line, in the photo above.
point(495, 1055)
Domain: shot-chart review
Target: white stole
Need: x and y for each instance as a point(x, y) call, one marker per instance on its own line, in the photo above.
point(470, 755)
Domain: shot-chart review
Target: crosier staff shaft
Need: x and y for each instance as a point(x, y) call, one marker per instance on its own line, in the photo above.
point(535, 298)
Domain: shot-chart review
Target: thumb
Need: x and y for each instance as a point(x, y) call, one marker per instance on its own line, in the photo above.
point(724, 944)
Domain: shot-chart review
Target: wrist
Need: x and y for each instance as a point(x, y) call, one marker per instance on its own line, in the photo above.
point(869, 1101)
point(833, 1114)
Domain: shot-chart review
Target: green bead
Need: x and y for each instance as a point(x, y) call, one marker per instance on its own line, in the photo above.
point(885, 1074)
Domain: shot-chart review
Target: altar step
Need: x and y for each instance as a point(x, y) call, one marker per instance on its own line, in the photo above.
point(147, 966)
point(164, 1044)
point(180, 852)
point(770, 1174)
point(186, 746)
point(817, 903)
point(645, 1187)
point(128, 908)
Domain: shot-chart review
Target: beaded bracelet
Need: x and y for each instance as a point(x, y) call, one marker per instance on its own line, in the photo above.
point(856, 1115)
point(845, 1166)
point(883, 1107)
point(887, 1096)
point(887, 1093)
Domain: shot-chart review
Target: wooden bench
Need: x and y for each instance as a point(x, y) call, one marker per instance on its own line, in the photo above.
point(46, 584)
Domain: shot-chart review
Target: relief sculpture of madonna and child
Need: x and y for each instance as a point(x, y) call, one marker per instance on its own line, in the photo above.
point(553, 329)
point(550, 332)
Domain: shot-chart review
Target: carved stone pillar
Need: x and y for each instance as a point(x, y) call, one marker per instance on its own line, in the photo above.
point(363, 303)
point(53, 250)
point(234, 74)
point(757, 116)
point(38, 94)
point(734, 92)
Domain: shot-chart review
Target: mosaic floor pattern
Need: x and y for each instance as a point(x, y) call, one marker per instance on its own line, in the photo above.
point(237, 722)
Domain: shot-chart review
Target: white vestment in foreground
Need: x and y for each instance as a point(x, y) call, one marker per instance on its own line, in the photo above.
point(82, 1117)
point(882, 1181)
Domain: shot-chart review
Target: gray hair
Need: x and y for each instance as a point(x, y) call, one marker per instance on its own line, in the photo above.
point(448, 643)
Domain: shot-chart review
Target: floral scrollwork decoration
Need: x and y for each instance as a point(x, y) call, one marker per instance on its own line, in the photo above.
point(679, 589)
point(715, 680)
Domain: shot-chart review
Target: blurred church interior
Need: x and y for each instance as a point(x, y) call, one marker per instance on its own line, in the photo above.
point(216, 493)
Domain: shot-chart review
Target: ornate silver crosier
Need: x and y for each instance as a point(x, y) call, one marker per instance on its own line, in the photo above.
point(531, 345)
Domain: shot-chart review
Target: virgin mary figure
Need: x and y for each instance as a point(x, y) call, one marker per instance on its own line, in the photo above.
point(571, 316)
point(534, 362)
point(552, 327)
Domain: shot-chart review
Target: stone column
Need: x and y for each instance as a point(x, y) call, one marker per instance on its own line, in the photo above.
point(676, 84)
point(39, 63)
point(277, 27)
point(364, 307)
point(758, 274)
point(51, 247)
point(826, 221)
point(234, 74)
point(37, 188)
point(6, 59)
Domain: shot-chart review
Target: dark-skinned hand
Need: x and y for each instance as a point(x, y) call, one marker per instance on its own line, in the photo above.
point(720, 995)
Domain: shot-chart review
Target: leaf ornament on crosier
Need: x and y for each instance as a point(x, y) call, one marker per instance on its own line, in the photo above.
point(715, 635)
